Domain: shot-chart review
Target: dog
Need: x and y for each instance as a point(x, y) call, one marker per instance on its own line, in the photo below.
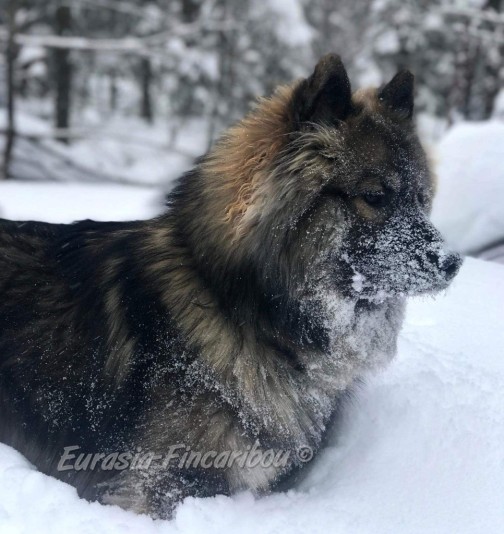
point(240, 319)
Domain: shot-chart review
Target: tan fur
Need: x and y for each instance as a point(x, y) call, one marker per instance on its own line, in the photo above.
point(245, 153)
point(368, 98)
point(121, 342)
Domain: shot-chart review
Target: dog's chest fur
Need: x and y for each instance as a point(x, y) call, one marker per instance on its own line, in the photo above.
point(286, 408)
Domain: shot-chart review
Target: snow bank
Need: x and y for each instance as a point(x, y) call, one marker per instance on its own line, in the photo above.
point(419, 451)
point(469, 206)
point(56, 202)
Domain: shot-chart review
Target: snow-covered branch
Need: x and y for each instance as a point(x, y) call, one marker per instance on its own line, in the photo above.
point(474, 14)
point(120, 6)
point(81, 133)
point(127, 44)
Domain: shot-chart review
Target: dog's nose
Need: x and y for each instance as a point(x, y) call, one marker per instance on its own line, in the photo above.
point(450, 265)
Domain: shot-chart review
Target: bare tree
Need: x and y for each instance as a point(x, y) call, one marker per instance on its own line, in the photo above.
point(146, 83)
point(11, 52)
point(492, 68)
point(63, 70)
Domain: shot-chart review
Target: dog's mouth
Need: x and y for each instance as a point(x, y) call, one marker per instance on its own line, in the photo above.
point(372, 284)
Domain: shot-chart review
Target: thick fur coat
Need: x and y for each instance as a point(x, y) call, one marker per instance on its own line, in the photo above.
point(241, 317)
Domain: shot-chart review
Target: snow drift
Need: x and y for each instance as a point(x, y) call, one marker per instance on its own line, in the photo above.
point(469, 204)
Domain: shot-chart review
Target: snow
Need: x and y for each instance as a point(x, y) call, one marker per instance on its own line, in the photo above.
point(112, 149)
point(387, 43)
point(292, 26)
point(420, 449)
point(56, 202)
point(469, 205)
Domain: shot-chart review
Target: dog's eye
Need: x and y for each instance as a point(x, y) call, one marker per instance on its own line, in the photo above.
point(376, 199)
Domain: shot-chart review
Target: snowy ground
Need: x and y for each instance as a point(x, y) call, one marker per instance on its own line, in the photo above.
point(420, 451)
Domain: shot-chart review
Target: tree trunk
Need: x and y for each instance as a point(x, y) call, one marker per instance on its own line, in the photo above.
point(10, 89)
point(113, 90)
point(461, 88)
point(190, 10)
point(492, 69)
point(63, 71)
point(470, 80)
point(146, 81)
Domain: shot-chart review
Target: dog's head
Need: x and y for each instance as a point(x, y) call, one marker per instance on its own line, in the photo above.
point(377, 184)
point(322, 187)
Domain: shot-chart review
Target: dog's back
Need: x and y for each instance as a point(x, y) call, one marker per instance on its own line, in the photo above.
point(27, 273)
point(53, 337)
point(41, 267)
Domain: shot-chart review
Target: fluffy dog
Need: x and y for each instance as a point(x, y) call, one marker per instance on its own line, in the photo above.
point(237, 320)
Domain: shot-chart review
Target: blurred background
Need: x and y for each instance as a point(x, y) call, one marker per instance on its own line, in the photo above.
point(103, 103)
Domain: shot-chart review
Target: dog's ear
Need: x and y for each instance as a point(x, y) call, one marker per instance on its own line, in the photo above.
point(324, 97)
point(398, 94)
